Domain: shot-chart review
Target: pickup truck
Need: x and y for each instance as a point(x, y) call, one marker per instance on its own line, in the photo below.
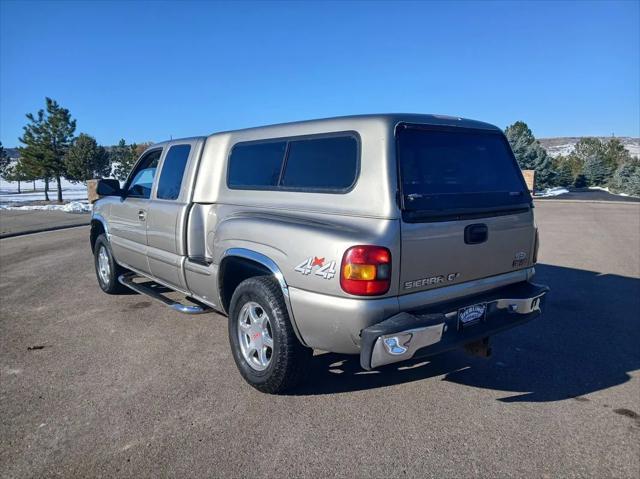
point(391, 236)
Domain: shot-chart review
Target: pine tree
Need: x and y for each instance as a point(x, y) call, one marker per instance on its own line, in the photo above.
point(86, 160)
point(564, 176)
point(47, 138)
point(530, 154)
point(139, 148)
point(597, 172)
point(33, 170)
point(33, 167)
point(18, 173)
point(580, 181)
point(11, 175)
point(4, 161)
point(615, 153)
point(34, 156)
point(597, 163)
point(575, 164)
point(135, 151)
point(626, 178)
point(60, 128)
point(123, 157)
point(588, 146)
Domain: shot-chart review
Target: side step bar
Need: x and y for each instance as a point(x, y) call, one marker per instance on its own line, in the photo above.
point(127, 280)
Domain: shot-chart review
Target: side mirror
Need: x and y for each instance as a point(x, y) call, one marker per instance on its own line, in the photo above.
point(108, 187)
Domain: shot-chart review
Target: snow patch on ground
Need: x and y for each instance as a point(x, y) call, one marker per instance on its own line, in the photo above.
point(557, 191)
point(606, 188)
point(9, 191)
point(71, 207)
point(79, 194)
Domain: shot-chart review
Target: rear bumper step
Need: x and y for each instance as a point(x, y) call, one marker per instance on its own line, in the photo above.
point(127, 280)
point(438, 328)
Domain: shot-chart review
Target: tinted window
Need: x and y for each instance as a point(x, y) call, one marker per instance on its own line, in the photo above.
point(172, 172)
point(142, 179)
point(444, 169)
point(322, 163)
point(256, 165)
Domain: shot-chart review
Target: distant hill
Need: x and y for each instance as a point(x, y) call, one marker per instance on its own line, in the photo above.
point(564, 145)
point(12, 152)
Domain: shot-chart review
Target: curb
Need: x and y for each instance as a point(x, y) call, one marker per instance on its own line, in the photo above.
point(41, 230)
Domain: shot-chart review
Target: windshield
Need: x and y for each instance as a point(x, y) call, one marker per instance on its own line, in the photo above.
point(457, 169)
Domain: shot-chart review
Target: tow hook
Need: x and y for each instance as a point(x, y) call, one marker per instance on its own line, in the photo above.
point(479, 348)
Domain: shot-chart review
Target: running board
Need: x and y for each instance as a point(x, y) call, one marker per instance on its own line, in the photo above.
point(127, 280)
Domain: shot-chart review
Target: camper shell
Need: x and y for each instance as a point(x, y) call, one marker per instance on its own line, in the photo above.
point(389, 236)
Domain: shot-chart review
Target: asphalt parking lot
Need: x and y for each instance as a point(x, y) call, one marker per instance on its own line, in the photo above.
point(96, 385)
point(16, 222)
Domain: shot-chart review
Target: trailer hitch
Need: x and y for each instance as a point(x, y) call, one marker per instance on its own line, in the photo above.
point(479, 348)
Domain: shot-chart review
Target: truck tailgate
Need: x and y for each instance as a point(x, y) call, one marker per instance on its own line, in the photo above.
point(436, 254)
point(466, 211)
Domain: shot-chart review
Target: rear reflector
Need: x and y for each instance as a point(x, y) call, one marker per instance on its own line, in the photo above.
point(366, 270)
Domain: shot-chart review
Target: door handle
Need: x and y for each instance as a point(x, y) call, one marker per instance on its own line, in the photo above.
point(142, 215)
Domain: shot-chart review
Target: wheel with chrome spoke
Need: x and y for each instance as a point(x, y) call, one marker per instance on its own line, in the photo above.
point(265, 348)
point(107, 270)
point(255, 336)
point(104, 268)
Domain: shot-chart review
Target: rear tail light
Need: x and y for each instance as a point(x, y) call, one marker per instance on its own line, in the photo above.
point(366, 270)
point(536, 245)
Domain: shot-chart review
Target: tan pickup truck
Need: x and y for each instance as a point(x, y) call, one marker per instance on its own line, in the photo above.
point(389, 236)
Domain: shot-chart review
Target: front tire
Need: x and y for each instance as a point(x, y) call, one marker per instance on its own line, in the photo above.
point(107, 270)
point(264, 346)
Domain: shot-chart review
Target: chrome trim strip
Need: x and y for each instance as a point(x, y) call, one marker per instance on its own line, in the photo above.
point(271, 266)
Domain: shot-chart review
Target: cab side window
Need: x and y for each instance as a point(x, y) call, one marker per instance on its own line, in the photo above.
point(172, 172)
point(141, 179)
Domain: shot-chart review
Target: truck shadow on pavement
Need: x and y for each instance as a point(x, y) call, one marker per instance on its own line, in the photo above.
point(587, 340)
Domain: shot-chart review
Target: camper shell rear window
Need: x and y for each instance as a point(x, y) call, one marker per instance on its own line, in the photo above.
point(453, 172)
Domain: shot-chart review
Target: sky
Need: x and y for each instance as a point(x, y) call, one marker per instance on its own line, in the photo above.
point(148, 71)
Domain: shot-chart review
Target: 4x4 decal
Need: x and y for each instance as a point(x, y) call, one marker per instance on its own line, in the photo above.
point(326, 271)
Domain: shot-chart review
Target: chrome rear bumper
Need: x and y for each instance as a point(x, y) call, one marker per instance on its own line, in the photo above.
point(437, 329)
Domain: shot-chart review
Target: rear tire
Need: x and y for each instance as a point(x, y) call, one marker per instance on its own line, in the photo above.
point(263, 343)
point(107, 270)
